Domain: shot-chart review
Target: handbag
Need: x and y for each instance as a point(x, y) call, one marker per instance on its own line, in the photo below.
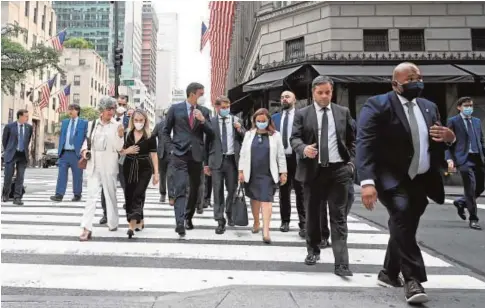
point(239, 208)
point(83, 163)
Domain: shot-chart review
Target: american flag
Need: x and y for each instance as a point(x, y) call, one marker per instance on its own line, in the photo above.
point(46, 92)
point(64, 99)
point(220, 29)
point(111, 90)
point(204, 36)
point(58, 41)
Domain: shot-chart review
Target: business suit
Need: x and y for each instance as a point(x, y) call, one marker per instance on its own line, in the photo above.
point(322, 182)
point(73, 134)
point(162, 158)
point(16, 156)
point(222, 161)
point(186, 149)
point(384, 155)
point(468, 153)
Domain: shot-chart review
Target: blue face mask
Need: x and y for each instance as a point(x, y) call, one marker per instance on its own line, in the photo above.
point(224, 112)
point(467, 111)
point(261, 125)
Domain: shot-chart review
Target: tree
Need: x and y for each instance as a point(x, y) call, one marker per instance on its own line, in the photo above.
point(78, 42)
point(88, 113)
point(18, 61)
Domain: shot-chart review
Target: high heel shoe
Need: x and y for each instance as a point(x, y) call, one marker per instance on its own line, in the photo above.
point(266, 240)
point(142, 226)
point(85, 236)
point(255, 229)
point(130, 233)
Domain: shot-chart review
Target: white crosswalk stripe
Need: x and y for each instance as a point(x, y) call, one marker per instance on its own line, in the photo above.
point(40, 250)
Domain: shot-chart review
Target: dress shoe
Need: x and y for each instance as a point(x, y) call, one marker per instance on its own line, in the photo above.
point(343, 270)
point(460, 209)
point(200, 211)
point(163, 198)
point(76, 199)
point(57, 198)
point(230, 222)
point(18, 202)
point(85, 236)
point(266, 239)
point(189, 225)
point(475, 225)
point(103, 220)
point(414, 292)
point(180, 229)
point(324, 244)
point(384, 280)
point(221, 228)
point(302, 233)
point(5, 198)
point(311, 259)
point(113, 229)
point(285, 227)
point(124, 206)
point(207, 203)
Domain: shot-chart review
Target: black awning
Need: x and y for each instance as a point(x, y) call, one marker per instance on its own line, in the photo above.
point(478, 70)
point(270, 80)
point(383, 73)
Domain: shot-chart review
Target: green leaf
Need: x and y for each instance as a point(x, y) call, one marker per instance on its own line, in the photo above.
point(78, 42)
point(87, 113)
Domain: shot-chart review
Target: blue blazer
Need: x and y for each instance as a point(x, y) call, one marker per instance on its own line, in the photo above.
point(458, 152)
point(126, 121)
point(10, 140)
point(79, 135)
point(277, 120)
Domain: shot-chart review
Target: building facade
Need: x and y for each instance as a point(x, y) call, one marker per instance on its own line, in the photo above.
point(149, 47)
point(168, 40)
point(132, 43)
point(39, 19)
point(140, 97)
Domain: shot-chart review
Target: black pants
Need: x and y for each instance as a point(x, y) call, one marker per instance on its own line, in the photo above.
point(331, 185)
point(208, 188)
point(285, 194)
point(201, 191)
point(226, 174)
point(405, 204)
point(323, 214)
point(121, 178)
point(136, 187)
point(18, 164)
point(162, 170)
point(472, 174)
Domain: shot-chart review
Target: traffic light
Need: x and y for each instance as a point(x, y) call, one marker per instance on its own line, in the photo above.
point(118, 57)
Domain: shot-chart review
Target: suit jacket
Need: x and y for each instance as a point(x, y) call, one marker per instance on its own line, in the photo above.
point(277, 121)
point(10, 140)
point(305, 132)
point(458, 152)
point(385, 147)
point(214, 144)
point(158, 133)
point(186, 139)
point(80, 134)
point(277, 158)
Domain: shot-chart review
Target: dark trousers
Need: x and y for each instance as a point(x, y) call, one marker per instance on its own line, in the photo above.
point(69, 159)
point(162, 170)
point(184, 170)
point(405, 204)
point(226, 174)
point(323, 214)
point(285, 194)
point(208, 188)
point(472, 174)
point(135, 190)
point(121, 178)
point(200, 191)
point(18, 164)
point(331, 185)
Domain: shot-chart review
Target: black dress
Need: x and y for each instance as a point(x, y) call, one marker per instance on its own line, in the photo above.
point(137, 170)
point(261, 186)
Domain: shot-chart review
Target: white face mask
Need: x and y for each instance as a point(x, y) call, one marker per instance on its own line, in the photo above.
point(201, 100)
point(120, 110)
point(139, 126)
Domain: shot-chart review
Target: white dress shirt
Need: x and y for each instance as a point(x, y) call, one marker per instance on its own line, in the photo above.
point(20, 130)
point(230, 133)
point(291, 116)
point(333, 154)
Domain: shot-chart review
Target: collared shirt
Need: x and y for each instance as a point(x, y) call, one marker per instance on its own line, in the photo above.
point(69, 144)
point(230, 133)
point(20, 129)
point(465, 118)
point(291, 116)
point(188, 106)
point(333, 154)
point(103, 131)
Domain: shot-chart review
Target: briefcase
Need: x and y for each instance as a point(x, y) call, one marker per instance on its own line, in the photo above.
point(239, 208)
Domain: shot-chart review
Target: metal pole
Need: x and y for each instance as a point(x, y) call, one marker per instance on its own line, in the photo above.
point(117, 69)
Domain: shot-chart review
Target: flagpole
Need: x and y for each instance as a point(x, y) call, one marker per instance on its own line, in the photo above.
point(49, 39)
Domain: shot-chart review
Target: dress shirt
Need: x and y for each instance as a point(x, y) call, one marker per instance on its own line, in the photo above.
point(68, 145)
point(465, 118)
point(20, 130)
point(291, 116)
point(333, 154)
point(230, 133)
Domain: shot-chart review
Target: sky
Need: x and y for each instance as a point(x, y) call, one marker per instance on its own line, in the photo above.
point(193, 65)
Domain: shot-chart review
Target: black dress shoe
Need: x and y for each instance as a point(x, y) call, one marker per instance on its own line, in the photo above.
point(162, 198)
point(311, 259)
point(475, 225)
point(76, 199)
point(124, 206)
point(18, 202)
point(189, 225)
point(302, 233)
point(180, 229)
point(230, 222)
point(414, 292)
point(221, 228)
point(200, 211)
point(103, 220)
point(343, 270)
point(460, 209)
point(56, 198)
point(5, 198)
point(384, 280)
point(324, 244)
point(285, 227)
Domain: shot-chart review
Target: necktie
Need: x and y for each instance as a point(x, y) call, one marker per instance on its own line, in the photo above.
point(71, 132)
point(413, 125)
point(285, 130)
point(324, 139)
point(191, 117)
point(224, 136)
point(21, 139)
point(471, 135)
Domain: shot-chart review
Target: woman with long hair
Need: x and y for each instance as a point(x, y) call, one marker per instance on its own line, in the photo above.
point(140, 163)
point(262, 164)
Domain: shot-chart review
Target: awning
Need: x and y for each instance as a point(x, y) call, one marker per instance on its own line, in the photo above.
point(270, 80)
point(383, 73)
point(478, 70)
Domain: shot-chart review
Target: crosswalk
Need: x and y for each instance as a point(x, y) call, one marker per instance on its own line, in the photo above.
point(40, 250)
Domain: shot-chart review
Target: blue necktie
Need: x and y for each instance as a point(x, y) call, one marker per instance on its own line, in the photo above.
point(71, 133)
point(21, 139)
point(471, 135)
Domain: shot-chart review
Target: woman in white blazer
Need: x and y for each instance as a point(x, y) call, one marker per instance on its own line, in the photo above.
point(262, 164)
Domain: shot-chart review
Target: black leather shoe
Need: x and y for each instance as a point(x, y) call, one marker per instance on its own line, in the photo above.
point(18, 202)
point(302, 233)
point(56, 198)
point(207, 203)
point(162, 198)
point(230, 222)
point(200, 211)
point(343, 270)
point(324, 244)
point(180, 229)
point(475, 225)
point(189, 225)
point(103, 220)
point(76, 199)
point(285, 227)
point(384, 280)
point(5, 198)
point(460, 209)
point(311, 259)
point(414, 292)
point(124, 206)
point(221, 228)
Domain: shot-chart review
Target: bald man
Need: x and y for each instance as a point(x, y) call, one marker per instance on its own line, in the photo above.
point(400, 150)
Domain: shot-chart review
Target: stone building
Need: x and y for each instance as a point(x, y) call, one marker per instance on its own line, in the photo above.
point(285, 44)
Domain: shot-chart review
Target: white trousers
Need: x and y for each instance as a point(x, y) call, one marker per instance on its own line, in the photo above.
point(96, 182)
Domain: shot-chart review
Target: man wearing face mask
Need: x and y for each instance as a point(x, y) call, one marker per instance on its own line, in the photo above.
point(400, 152)
point(284, 124)
point(468, 155)
point(189, 122)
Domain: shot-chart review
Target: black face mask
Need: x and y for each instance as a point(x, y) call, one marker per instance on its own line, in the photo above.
point(286, 105)
point(411, 90)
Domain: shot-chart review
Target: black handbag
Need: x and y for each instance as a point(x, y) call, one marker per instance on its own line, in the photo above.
point(239, 208)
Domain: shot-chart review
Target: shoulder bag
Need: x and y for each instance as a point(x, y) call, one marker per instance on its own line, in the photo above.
point(83, 162)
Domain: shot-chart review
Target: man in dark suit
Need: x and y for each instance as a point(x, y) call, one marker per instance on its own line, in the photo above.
point(284, 123)
point(222, 160)
point(73, 134)
point(468, 153)
point(324, 139)
point(400, 150)
point(189, 122)
point(162, 158)
point(15, 140)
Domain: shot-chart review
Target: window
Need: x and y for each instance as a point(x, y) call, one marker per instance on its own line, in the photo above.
point(16, 23)
point(67, 61)
point(92, 82)
point(411, 40)
point(91, 100)
point(48, 74)
point(95, 102)
point(77, 80)
point(50, 23)
point(27, 8)
point(41, 75)
point(54, 103)
point(76, 98)
point(34, 41)
point(295, 49)
point(36, 11)
point(22, 91)
point(82, 62)
point(43, 18)
point(136, 100)
point(26, 37)
point(376, 40)
point(95, 85)
point(63, 81)
point(478, 39)
point(280, 4)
